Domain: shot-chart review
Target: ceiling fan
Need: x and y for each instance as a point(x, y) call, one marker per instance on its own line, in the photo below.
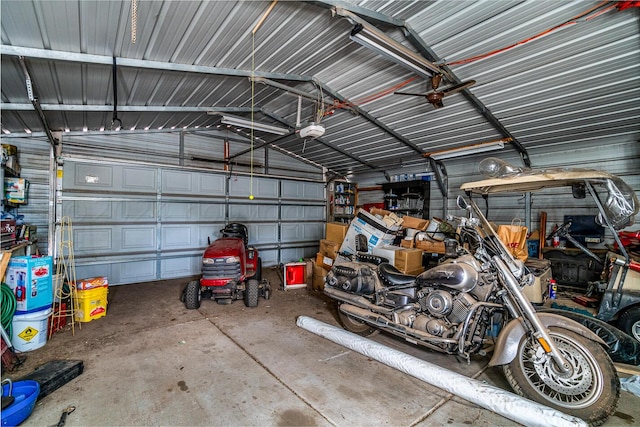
point(435, 97)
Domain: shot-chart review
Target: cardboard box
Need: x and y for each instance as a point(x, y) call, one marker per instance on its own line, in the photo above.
point(30, 279)
point(336, 231)
point(329, 248)
point(406, 243)
point(431, 247)
point(373, 229)
point(324, 261)
point(309, 270)
point(91, 283)
point(408, 259)
point(319, 273)
point(388, 252)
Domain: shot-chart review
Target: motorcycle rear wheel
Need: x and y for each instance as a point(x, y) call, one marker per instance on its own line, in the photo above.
point(356, 326)
point(589, 391)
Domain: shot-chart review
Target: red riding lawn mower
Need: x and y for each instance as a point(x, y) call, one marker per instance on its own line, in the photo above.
point(231, 270)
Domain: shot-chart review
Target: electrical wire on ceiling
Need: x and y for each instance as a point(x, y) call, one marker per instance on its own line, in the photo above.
point(575, 20)
point(320, 111)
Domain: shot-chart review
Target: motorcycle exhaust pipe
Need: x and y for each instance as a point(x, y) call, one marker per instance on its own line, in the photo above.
point(502, 402)
point(352, 299)
point(397, 329)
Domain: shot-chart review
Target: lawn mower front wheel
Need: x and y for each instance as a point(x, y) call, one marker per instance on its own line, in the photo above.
point(251, 293)
point(192, 295)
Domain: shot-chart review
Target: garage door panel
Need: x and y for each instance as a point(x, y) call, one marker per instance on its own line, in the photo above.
point(114, 178)
point(303, 190)
point(211, 212)
point(193, 183)
point(211, 185)
point(192, 212)
point(180, 267)
point(208, 232)
point(306, 231)
point(93, 239)
point(269, 257)
point(240, 213)
point(263, 233)
point(296, 212)
point(95, 270)
point(85, 210)
point(242, 186)
point(176, 182)
point(87, 176)
point(136, 271)
point(88, 210)
point(140, 210)
point(138, 238)
point(139, 179)
point(178, 236)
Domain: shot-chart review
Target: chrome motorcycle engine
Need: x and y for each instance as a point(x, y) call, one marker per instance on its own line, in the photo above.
point(442, 311)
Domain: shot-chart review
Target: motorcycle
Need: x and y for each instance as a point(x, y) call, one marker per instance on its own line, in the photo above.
point(474, 298)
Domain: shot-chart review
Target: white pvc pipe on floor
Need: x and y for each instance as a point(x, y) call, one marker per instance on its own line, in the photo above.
point(502, 402)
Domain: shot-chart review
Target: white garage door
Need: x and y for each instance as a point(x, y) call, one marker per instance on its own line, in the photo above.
point(137, 222)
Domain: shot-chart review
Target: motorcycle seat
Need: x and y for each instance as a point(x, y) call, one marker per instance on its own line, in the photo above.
point(391, 276)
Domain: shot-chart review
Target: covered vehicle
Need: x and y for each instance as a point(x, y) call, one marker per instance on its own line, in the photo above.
point(617, 206)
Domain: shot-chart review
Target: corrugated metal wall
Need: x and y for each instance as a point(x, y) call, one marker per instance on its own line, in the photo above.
point(34, 157)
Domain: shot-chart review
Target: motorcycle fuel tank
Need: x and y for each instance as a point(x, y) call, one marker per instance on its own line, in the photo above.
point(455, 275)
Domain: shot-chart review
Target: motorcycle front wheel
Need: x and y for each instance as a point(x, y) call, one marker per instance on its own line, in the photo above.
point(590, 390)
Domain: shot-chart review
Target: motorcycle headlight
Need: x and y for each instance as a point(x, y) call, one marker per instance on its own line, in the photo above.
point(232, 260)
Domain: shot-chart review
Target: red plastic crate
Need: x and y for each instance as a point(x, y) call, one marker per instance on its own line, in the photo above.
point(295, 275)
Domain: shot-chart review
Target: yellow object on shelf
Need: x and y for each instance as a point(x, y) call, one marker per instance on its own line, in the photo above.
point(91, 303)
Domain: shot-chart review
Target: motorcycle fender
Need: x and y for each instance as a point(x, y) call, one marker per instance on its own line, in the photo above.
point(506, 346)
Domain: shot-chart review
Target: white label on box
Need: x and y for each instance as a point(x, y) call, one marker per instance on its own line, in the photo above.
point(91, 179)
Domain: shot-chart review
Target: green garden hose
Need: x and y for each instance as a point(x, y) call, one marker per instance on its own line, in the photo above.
point(8, 305)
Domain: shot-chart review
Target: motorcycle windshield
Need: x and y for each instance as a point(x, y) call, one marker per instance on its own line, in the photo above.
point(619, 201)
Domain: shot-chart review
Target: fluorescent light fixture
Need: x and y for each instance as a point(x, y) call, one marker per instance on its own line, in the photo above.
point(246, 123)
point(468, 150)
point(369, 36)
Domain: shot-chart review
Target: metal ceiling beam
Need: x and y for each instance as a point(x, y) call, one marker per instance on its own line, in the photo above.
point(56, 55)
point(126, 108)
point(371, 15)
point(32, 94)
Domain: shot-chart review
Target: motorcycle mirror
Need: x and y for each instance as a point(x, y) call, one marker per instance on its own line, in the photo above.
point(462, 203)
point(578, 190)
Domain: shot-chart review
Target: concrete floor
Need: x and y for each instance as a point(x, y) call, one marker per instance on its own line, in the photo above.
point(152, 362)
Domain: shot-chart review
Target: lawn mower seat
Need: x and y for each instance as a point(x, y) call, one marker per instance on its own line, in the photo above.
point(235, 229)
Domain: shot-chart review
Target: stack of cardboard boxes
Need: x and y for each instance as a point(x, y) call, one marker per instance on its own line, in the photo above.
point(329, 248)
point(380, 235)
